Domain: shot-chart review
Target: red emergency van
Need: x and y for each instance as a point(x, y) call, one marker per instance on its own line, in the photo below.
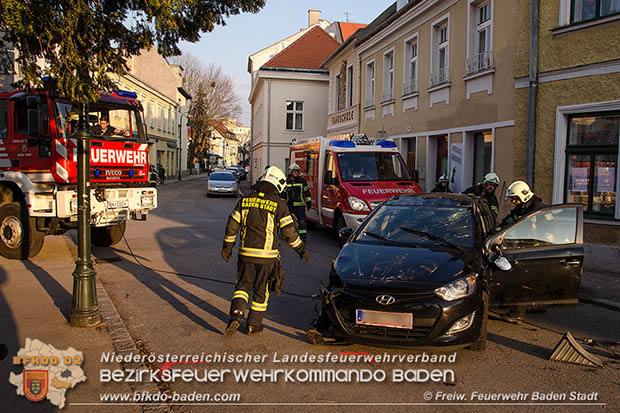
point(348, 178)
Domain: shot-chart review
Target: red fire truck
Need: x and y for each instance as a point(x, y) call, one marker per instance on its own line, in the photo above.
point(38, 169)
point(348, 178)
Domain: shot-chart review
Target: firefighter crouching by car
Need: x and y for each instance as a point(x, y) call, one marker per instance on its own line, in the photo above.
point(259, 217)
point(486, 189)
point(297, 196)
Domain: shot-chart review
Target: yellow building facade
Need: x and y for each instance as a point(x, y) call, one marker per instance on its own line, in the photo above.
point(577, 108)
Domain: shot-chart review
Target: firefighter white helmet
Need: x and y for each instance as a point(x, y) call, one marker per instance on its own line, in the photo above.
point(443, 178)
point(491, 178)
point(276, 177)
point(293, 167)
point(520, 190)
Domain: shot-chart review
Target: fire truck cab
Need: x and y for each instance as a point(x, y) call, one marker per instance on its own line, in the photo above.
point(38, 169)
point(349, 178)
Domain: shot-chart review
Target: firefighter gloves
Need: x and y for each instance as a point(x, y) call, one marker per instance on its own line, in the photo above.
point(226, 252)
point(304, 255)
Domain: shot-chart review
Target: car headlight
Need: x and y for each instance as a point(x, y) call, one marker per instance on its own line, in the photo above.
point(357, 204)
point(461, 288)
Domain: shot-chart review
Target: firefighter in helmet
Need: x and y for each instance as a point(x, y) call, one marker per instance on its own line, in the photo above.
point(524, 202)
point(297, 196)
point(258, 217)
point(443, 184)
point(486, 189)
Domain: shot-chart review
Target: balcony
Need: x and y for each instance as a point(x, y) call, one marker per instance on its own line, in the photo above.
point(440, 77)
point(479, 63)
point(388, 95)
point(369, 102)
point(410, 87)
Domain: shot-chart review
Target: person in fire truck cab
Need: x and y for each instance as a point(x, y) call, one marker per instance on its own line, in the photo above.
point(443, 184)
point(104, 128)
point(297, 196)
point(486, 189)
point(258, 218)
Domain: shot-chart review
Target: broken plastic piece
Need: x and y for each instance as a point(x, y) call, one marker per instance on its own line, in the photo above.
point(569, 351)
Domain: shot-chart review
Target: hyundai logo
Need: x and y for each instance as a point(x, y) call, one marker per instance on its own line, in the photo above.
point(385, 299)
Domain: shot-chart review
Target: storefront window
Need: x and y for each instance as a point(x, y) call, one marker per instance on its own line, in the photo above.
point(592, 155)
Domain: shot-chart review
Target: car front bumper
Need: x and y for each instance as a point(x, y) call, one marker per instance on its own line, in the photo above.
point(432, 318)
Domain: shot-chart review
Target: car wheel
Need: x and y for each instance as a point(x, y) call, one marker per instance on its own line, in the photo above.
point(108, 236)
point(340, 223)
point(481, 341)
point(19, 237)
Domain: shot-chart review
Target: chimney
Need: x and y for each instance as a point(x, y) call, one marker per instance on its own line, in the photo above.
point(313, 17)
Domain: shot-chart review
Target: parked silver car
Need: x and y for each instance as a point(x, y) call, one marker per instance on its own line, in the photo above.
point(222, 183)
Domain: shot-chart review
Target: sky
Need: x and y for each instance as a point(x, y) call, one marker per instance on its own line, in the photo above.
point(244, 34)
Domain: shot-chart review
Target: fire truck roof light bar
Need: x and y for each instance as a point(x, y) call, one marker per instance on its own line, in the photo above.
point(386, 144)
point(125, 93)
point(342, 144)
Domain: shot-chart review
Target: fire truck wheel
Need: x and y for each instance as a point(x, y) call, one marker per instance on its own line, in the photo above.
point(19, 238)
point(340, 223)
point(108, 236)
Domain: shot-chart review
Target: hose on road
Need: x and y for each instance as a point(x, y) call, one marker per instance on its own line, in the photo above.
point(180, 274)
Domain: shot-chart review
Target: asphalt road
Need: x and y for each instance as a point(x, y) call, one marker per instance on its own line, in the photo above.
point(177, 314)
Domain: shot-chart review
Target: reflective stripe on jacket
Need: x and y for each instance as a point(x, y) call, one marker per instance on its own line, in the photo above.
point(297, 191)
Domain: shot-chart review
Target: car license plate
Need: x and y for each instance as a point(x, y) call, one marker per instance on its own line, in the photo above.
point(384, 319)
point(118, 204)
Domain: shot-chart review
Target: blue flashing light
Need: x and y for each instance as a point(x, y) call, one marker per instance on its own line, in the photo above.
point(97, 172)
point(125, 94)
point(131, 173)
point(342, 144)
point(386, 144)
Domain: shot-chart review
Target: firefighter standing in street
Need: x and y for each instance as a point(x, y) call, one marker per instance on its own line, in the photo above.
point(258, 217)
point(486, 189)
point(298, 198)
point(443, 184)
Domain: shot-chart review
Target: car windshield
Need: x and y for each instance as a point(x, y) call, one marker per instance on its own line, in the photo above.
point(222, 177)
point(372, 166)
point(422, 225)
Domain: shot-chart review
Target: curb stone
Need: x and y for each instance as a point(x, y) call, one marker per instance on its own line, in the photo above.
point(123, 344)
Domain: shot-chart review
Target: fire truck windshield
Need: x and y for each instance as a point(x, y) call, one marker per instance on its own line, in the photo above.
point(105, 121)
point(372, 166)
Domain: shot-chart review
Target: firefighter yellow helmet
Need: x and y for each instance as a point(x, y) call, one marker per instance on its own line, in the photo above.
point(293, 167)
point(276, 177)
point(520, 190)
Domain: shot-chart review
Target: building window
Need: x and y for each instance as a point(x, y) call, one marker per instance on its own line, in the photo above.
point(410, 82)
point(441, 162)
point(592, 161)
point(482, 57)
point(294, 115)
point(388, 77)
point(6, 62)
point(370, 85)
point(349, 86)
point(440, 51)
point(582, 10)
point(151, 114)
point(338, 87)
point(483, 152)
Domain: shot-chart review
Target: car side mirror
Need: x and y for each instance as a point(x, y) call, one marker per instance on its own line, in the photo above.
point(414, 175)
point(503, 264)
point(344, 234)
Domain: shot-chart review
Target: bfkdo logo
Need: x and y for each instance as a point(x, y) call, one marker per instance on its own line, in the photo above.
point(48, 372)
point(36, 384)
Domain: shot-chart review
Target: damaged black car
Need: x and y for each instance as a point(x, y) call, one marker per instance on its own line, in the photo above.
point(424, 270)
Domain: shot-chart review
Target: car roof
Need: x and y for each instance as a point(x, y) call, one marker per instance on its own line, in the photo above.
point(432, 199)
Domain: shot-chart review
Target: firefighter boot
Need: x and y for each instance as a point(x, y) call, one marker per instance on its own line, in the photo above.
point(234, 323)
point(254, 329)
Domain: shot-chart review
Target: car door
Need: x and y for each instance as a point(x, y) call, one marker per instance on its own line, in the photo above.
point(329, 194)
point(545, 250)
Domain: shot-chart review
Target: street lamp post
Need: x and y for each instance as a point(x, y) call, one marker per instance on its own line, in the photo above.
point(84, 308)
point(186, 114)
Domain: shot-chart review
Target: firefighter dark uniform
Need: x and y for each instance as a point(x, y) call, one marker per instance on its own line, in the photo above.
point(478, 190)
point(258, 218)
point(297, 196)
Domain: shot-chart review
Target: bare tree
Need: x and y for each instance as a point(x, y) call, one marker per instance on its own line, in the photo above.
point(213, 98)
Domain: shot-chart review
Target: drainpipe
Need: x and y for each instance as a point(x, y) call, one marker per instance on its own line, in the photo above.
point(268, 121)
point(359, 95)
point(533, 88)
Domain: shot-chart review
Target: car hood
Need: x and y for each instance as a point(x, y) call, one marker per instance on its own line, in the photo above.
point(382, 265)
